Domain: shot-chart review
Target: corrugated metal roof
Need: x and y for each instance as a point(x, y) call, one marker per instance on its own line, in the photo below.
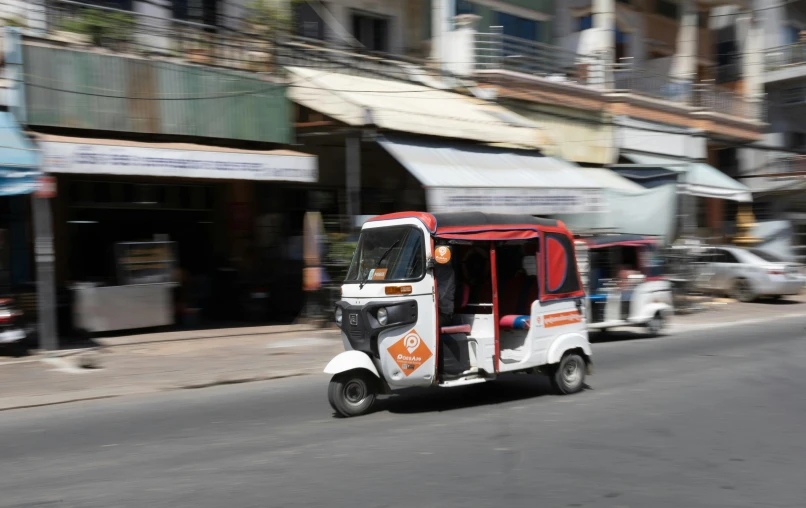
point(411, 108)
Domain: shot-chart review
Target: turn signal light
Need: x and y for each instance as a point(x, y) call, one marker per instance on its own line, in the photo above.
point(398, 290)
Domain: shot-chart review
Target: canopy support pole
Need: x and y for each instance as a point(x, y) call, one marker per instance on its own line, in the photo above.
point(45, 277)
point(353, 159)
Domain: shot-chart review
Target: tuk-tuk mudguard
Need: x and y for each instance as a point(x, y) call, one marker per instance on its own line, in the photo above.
point(653, 308)
point(350, 360)
point(565, 343)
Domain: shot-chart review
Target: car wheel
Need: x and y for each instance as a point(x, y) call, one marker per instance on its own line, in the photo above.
point(352, 393)
point(656, 324)
point(743, 291)
point(569, 377)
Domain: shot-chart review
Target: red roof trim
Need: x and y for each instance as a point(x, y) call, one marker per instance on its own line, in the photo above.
point(427, 219)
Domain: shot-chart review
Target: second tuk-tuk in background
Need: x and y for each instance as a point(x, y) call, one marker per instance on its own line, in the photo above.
point(623, 280)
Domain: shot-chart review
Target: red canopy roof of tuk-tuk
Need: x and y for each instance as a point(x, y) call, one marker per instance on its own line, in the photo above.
point(479, 226)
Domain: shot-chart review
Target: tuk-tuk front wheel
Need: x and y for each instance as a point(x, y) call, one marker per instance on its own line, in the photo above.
point(352, 393)
point(656, 324)
point(569, 376)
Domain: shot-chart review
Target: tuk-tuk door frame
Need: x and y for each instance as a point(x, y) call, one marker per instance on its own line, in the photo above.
point(497, 334)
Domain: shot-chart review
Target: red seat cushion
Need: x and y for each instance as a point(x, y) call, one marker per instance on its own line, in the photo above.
point(514, 322)
point(455, 329)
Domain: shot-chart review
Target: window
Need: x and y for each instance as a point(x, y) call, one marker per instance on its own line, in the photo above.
point(584, 22)
point(792, 34)
point(388, 254)
point(727, 61)
point(702, 19)
point(464, 7)
point(796, 140)
point(198, 11)
point(308, 22)
point(795, 95)
point(124, 5)
point(371, 31)
point(561, 273)
point(766, 256)
point(667, 8)
point(724, 256)
point(515, 26)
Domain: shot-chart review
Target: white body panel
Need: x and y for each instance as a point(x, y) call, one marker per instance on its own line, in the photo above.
point(350, 360)
point(552, 324)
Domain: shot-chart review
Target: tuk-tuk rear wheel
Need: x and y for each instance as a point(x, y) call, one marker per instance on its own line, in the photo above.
point(352, 393)
point(569, 376)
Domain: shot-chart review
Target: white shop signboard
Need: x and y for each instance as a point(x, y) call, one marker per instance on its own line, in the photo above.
point(87, 158)
point(534, 201)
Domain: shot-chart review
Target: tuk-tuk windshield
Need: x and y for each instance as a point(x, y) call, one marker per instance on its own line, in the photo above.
point(391, 254)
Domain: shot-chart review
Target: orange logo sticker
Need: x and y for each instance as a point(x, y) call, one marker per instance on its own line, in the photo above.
point(562, 319)
point(442, 254)
point(409, 353)
point(379, 274)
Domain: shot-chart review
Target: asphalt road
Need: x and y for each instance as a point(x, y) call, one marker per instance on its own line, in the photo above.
point(704, 419)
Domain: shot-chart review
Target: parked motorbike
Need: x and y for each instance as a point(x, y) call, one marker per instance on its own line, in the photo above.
point(12, 331)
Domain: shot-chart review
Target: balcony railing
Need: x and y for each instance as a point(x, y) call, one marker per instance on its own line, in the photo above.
point(246, 47)
point(710, 97)
point(785, 56)
point(626, 77)
point(498, 51)
point(785, 167)
point(495, 51)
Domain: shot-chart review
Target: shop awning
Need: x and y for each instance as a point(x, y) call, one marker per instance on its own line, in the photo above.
point(19, 159)
point(695, 178)
point(411, 108)
point(466, 177)
point(118, 157)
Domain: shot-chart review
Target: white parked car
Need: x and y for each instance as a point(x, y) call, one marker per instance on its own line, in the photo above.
point(747, 274)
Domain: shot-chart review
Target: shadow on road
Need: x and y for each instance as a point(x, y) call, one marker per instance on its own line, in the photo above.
point(777, 301)
point(509, 388)
point(620, 336)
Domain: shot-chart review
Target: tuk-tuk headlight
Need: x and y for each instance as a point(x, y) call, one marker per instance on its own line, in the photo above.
point(338, 315)
point(383, 316)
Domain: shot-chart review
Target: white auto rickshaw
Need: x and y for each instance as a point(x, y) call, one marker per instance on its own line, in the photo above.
point(454, 299)
point(623, 282)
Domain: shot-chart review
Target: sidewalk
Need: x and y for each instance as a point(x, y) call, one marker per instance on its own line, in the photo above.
point(160, 362)
point(182, 360)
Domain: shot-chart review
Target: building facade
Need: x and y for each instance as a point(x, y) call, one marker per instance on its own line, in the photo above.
point(775, 169)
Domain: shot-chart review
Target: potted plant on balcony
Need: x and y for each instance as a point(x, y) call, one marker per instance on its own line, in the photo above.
point(101, 27)
point(266, 20)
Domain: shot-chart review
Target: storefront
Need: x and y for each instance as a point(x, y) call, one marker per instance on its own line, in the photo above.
point(658, 155)
point(19, 179)
point(188, 214)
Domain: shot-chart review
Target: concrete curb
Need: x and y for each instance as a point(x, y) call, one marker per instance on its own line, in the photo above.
point(158, 338)
point(190, 386)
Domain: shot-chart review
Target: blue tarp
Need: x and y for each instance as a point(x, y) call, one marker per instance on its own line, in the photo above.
point(19, 159)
